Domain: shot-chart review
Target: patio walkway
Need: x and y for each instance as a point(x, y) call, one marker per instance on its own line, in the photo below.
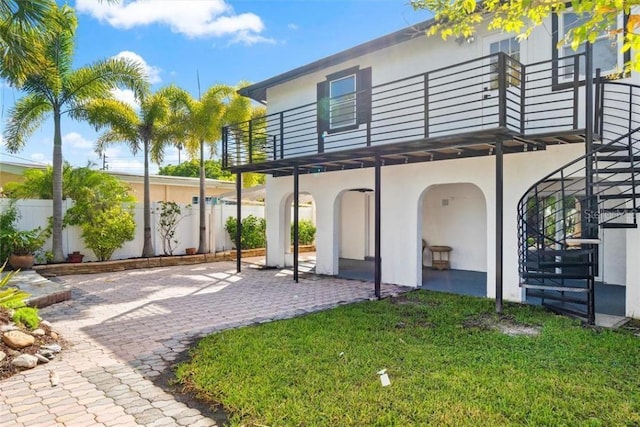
point(126, 328)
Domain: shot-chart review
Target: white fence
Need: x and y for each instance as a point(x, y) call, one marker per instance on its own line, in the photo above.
point(34, 213)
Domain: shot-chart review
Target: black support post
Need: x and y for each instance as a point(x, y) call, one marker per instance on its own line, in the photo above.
point(499, 224)
point(239, 221)
point(377, 228)
point(296, 205)
point(502, 89)
point(592, 204)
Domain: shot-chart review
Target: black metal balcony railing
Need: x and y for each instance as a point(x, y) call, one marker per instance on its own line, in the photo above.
point(491, 92)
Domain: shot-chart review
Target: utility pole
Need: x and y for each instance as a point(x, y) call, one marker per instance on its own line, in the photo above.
point(105, 165)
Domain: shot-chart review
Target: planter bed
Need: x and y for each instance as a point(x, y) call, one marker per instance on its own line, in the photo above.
point(50, 270)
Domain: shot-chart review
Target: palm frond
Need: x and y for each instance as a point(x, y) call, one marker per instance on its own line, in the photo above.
point(97, 80)
point(25, 117)
point(111, 137)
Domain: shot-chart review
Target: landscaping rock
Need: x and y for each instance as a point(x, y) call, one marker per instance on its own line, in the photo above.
point(9, 327)
point(53, 335)
point(25, 361)
point(3, 356)
point(53, 377)
point(38, 332)
point(46, 324)
point(46, 353)
point(41, 358)
point(13, 353)
point(18, 339)
point(53, 347)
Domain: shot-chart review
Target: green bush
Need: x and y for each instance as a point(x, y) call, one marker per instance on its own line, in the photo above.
point(306, 232)
point(10, 297)
point(108, 231)
point(8, 218)
point(27, 316)
point(253, 232)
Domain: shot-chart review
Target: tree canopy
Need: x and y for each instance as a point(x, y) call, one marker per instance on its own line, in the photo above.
point(53, 87)
point(455, 18)
point(191, 168)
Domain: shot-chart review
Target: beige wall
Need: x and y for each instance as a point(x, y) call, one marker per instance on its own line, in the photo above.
point(9, 177)
point(173, 193)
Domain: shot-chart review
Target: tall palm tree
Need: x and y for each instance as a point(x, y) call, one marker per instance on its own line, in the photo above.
point(23, 24)
point(54, 89)
point(202, 121)
point(149, 129)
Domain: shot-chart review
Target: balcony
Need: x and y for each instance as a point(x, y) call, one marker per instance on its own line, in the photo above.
point(456, 111)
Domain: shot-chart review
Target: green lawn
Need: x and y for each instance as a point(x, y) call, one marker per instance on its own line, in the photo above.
point(446, 366)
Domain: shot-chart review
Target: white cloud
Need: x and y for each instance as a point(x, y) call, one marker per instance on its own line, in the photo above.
point(121, 159)
point(127, 96)
point(40, 158)
point(293, 27)
point(249, 39)
point(76, 141)
point(152, 72)
point(193, 18)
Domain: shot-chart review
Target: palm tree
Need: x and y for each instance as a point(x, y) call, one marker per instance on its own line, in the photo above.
point(23, 24)
point(149, 129)
point(55, 88)
point(202, 121)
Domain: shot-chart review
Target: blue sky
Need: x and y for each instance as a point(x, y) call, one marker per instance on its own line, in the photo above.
point(222, 41)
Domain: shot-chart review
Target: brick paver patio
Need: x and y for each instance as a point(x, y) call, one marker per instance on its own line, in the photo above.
point(126, 328)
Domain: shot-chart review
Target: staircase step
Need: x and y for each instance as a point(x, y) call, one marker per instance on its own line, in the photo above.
point(618, 225)
point(619, 196)
point(616, 170)
point(571, 311)
point(620, 210)
point(534, 293)
point(561, 252)
point(606, 158)
point(559, 264)
point(555, 276)
point(610, 148)
point(573, 289)
point(608, 183)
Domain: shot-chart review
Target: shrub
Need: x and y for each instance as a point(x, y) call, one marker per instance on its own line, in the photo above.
point(306, 232)
point(108, 231)
point(253, 232)
point(170, 217)
point(10, 297)
point(27, 316)
point(8, 217)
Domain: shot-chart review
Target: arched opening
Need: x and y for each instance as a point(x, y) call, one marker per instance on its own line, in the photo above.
point(452, 223)
point(306, 219)
point(355, 233)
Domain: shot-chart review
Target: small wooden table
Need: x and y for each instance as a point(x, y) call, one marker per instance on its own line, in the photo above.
point(441, 262)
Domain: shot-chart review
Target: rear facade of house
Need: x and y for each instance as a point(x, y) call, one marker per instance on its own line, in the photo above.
point(519, 156)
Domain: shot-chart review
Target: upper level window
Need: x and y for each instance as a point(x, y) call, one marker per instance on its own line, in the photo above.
point(511, 47)
point(606, 49)
point(342, 102)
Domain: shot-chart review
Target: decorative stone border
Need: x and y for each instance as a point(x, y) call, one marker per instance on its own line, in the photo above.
point(52, 270)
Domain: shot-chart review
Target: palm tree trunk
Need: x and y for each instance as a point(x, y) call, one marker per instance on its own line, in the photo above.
point(147, 248)
point(202, 241)
point(56, 235)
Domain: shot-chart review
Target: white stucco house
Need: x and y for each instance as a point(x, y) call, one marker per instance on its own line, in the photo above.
point(516, 155)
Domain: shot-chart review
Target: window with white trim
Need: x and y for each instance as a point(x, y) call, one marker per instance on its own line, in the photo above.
point(342, 102)
point(209, 200)
point(511, 47)
point(606, 49)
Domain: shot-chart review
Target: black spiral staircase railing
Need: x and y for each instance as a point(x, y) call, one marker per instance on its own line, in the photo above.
point(561, 217)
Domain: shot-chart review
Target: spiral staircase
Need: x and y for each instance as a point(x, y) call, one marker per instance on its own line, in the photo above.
point(561, 217)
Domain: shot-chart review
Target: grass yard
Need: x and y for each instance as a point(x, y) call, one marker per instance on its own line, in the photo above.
point(448, 365)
